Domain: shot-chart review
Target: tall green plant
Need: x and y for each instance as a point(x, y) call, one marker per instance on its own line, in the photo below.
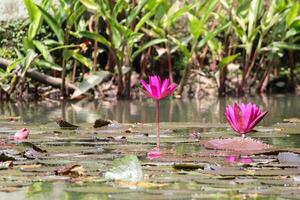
point(122, 35)
point(62, 18)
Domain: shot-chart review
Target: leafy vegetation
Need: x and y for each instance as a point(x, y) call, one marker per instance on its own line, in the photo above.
point(243, 46)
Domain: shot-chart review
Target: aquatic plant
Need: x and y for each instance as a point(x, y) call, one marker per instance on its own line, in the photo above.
point(157, 90)
point(22, 134)
point(237, 159)
point(244, 117)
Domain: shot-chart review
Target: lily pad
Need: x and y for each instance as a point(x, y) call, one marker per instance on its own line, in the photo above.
point(289, 158)
point(237, 144)
point(127, 168)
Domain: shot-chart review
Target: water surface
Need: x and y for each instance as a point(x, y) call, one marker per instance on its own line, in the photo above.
point(211, 177)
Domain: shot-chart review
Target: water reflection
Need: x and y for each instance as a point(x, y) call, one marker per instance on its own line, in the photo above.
point(194, 110)
point(238, 159)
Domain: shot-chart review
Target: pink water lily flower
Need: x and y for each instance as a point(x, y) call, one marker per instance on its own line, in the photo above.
point(154, 154)
point(22, 134)
point(244, 117)
point(156, 89)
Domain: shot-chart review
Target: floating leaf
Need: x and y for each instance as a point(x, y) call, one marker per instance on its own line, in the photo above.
point(33, 146)
point(70, 170)
point(64, 124)
point(289, 158)
point(6, 165)
point(117, 139)
point(31, 153)
point(188, 166)
point(237, 144)
point(101, 122)
point(127, 168)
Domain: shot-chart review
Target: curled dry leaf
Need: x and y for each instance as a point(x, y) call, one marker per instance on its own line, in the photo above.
point(101, 122)
point(6, 165)
point(117, 139)
point(70, 170)
point(64, 124)
point(128, 130)
point(238, 144)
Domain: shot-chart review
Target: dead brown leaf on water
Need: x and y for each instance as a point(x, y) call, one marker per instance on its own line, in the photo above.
point(120, 138)
point(101, 122)
point(6, 165)
point(70, 170)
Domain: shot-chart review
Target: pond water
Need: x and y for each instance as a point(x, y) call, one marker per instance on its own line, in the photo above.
point(187, 170)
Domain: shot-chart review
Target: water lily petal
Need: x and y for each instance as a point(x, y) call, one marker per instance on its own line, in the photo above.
point(258, 119)
point(243, 117)
point(239, 118)
point(146, 86)
point(165, 85)
point(231, 117)
point(155, 92)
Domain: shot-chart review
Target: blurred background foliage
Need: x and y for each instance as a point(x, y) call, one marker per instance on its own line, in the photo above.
point(105, 46)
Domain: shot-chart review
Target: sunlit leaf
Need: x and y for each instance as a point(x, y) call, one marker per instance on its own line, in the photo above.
point(43, 49)
point(91, 5)
point(225, 61)
point(53, 25)
point(293, 13)
point(30, 56)
point(127, 168)
point(146, 46)
point(97, 37)
point(90, 82)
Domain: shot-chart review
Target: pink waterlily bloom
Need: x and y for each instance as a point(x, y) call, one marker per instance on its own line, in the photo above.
point(22, 134)
point(156, 89)
point(244, 117)
point(153, 154)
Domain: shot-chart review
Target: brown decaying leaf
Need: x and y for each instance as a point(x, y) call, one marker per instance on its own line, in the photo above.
point(117, 139)
point(100, 123)
point(6, 164)
point(237, 144)
point(64, 124)
point(70, 170)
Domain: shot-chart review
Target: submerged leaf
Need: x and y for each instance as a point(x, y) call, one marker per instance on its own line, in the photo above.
point(127, 168)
